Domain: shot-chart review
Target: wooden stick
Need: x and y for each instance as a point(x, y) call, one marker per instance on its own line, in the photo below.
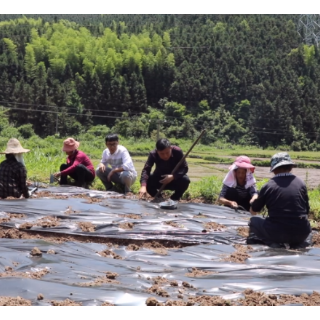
point(180, 162)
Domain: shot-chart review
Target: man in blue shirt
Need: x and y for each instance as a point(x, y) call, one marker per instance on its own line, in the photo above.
point(286, 199)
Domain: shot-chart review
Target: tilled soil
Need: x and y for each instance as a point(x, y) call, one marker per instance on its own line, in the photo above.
point(158, 290)
point(198, 273)
point(14, 301)
point(108, 278)
point(243, 231)
point(130, 216)
point(69, 210)
point(32, 274)
point(109, 253)
point(107, 304)
point(48, 222)
point(172, 224)
point(12, 233)
point(86, 226)
point(251, 298)
point(66, 302)
point(240, 256)
point(126, 225)
point(213, 226)
point(35, 252)
point(316, 240)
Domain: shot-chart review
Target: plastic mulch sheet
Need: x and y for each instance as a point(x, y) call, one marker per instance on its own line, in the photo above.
point(77, 270)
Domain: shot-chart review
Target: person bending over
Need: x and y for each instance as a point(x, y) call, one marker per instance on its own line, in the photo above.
point(165, 157)
point(13, 173)
point(121, 170)
point(239, 185)
point(78, 166)
point(287, 201)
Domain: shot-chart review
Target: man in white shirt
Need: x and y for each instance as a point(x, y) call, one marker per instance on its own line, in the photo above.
point(121, 170)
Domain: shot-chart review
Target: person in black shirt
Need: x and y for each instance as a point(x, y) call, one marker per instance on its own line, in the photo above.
point(13, 173)
point(239, 185)
point(286, 199)
point(165, 157)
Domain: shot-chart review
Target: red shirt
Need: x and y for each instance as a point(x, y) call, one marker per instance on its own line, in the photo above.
point(75, 159)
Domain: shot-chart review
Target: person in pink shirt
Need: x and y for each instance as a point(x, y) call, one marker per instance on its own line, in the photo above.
point(78, 166)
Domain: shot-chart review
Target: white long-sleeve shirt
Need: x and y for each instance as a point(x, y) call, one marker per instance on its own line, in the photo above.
point(120, 159)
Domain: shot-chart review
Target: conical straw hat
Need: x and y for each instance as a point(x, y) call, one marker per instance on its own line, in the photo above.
point(14, 146)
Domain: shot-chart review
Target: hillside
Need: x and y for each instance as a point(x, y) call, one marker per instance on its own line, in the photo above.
point(247, 79)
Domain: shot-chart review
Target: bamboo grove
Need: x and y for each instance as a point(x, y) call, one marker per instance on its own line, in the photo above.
point(247, 79)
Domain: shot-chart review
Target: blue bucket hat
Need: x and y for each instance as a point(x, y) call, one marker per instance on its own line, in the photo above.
point(281, 159)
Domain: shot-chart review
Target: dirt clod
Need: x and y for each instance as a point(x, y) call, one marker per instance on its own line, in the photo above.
point(153, 302)
point(198, 273)
point(316, 240)
point(158, 290)
point(66, 302)
point(86, 226)
point(69, 210)
point(14, 301)
point(26, 225)
point(36, 252)
point(130, 216)
point(213, 226)
point(240, 256)
point(243, 231)
point(126, 225)
point(108, 253)
point(107, 304)
point(40, 296)
point(48, 222)
point(186, 284)
point(132, 247)
point(172, 224)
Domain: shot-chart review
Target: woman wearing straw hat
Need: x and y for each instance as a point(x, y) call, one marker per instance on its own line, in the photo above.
point(78, 166)
point(287, 201)
point(13, 173)
point(239, 185)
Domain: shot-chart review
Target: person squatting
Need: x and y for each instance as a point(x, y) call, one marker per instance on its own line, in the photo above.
point(285, 195)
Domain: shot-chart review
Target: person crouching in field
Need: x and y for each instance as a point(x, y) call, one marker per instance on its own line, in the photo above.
point(239, 185)
point(121, 170)
point(287, 201)
point(78, 166)
point(165, 157)
point(13, 173)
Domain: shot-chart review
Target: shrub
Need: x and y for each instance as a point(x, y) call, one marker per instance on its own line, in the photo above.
point(26, 131)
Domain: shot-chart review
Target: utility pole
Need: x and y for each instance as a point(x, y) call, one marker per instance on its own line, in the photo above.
point(57, 124)
point(158, 130)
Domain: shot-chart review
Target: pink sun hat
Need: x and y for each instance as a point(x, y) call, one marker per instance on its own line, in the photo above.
point(70, 145)
point(244, 162)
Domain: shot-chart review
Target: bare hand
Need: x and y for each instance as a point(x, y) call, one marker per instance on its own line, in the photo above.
point(167, 178)
point(142, 191)
point(57, 174)
point(233, 204)
point(29, 183)
point(110, 175)
point(102, 167)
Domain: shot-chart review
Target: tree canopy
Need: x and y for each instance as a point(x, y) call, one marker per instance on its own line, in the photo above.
point(245, 78)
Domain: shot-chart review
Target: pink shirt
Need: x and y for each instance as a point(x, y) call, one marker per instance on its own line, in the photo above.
point(75, 159)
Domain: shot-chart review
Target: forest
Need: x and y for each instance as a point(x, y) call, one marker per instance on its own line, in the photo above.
point(246, 79)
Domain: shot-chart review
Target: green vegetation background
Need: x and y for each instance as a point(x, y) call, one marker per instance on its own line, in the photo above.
point(247, 79)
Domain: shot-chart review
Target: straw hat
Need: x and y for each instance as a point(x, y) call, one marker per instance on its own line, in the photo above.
point(70, 145)
point(14, 146)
